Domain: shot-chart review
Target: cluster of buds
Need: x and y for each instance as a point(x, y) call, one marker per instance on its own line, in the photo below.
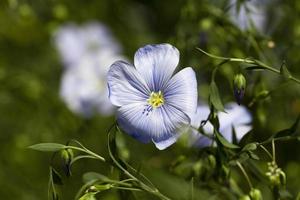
point(275, 174)
point(254, 194)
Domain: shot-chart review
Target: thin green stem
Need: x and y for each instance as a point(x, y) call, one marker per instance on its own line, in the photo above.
point(143, 185)
point(273, 150)
point(285, 138)
point(250, 61)
point(87, 152)
point(266, 150)
point(245, 174)
point(127, 188)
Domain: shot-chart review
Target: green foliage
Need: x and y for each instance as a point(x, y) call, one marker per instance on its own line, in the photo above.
point(52, 147)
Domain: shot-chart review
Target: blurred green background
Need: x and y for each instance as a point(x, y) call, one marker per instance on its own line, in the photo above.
point(33, 112)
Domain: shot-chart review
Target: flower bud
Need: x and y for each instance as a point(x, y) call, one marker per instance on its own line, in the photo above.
point(212, 161)
point(255, 194)
point(239, 86)
point(275, 174)
point(67, 156)
point(245, 197)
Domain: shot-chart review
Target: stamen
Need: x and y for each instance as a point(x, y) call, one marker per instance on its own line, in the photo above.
point(155, 100)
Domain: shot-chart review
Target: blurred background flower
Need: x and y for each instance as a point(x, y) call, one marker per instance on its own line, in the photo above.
point(87, 52)
point(234, 122)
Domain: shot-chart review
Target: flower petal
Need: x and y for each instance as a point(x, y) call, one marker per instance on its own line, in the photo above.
point(236, 116)
point(126, 85)
point(156, 63)
point(198, 140)
point(181, 91)
point(166, 143)
point(159, 125)
point(241, 131)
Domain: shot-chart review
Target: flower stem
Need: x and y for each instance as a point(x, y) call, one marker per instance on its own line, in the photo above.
point(87, 152)
point(273, 150)
point(266, 150)
point(250, 61)
point(245, 174)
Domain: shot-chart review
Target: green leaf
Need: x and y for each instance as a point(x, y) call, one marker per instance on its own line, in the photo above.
point(52, 147)
point(88, 196)
point(224, 142)
point(250, 147)
point(253, 155)
point(289, 131)
point(284, 71)
point(254, 67)
point(56, 177)
point(91, 176)
point(214, 97)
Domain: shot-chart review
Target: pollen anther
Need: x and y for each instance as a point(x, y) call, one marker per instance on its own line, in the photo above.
point(156, 99)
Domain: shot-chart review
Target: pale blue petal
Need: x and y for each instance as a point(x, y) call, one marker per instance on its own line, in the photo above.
point(166, 143)
point(241, 130)
point(156, 63)
point(198, 140)
point(201, 115)
point(126, 85)
point(238, 117)
point(181, 91)
point(158, 125)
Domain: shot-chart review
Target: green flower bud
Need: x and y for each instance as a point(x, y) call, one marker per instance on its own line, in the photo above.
point(239, 86)
point(212, 161)
point(245, 197)
point(255, 194)
point(67, 156)
point(276, 176)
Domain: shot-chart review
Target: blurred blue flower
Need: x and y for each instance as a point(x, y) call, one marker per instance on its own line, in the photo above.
point(73, 42)
point(87, 52)
point(248, 13)
point(84, 87)
point(237, 117)
point(153, 104)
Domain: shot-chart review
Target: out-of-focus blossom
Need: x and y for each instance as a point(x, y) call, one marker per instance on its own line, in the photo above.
point(75, 42)
point(248, 13)
point(84, 87)
point(237, 117)
point(153, 104)
point(87, 52)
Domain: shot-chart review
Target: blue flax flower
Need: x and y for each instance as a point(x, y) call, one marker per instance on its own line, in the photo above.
point(153, 104)
point(237, 117)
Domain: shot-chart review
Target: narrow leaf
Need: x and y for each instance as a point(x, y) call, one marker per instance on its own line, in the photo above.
point(56, 177)
point(254, 67)
point(224, 142)
point(90, 176)
point(289, 131)
point(52, 147)
point(284, 71)
point(214, 97)
point(250, 147)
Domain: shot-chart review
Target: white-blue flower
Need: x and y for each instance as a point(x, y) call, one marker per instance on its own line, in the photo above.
point(250, 12)
point(153, 104)
point(237, 117)
point(84, 86)
point(74, 42)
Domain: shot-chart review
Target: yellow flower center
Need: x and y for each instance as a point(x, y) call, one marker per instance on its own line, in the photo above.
point(156, 99)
